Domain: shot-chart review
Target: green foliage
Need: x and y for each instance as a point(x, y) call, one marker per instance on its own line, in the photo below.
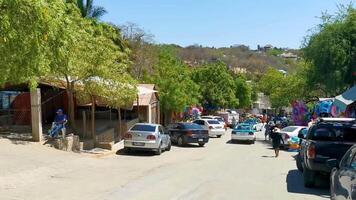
point(281, 89)
point(51, 40)
point(274, 52)
point(172, 77)
point(243, 92)
point(26, 27)
point(217, 86)
point(331, 52)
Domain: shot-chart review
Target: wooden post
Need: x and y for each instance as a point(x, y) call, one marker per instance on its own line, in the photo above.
point(119, 131)
point(93, 118)
point(84, 124)
point(36, 115)
point(138, 108)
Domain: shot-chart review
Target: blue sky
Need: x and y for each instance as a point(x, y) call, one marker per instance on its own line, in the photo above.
point(218, 23)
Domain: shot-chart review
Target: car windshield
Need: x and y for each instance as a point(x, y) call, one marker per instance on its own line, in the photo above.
point(144, 128)
point(219, 119)
point(213, 122)
point(335, 132)
point(191, 126)
point(243, 127)
point(289, 129)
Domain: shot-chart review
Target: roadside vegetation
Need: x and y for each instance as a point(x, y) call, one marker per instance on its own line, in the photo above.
point(65, 41)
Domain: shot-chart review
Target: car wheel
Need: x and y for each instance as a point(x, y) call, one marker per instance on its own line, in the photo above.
point(169, 146)
point(201, 144)
point(298, 161)
point(309, 178)
point(253, 142)
point(180, 141)
point(159, 150)
point(219, 136)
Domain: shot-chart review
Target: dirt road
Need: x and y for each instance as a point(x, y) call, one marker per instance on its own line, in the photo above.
point(220, 170)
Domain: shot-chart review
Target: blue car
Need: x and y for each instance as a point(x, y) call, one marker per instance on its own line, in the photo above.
point(244, 132)
point(256, 123)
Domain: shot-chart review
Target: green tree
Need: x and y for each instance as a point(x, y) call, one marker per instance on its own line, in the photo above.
point(88, 10)
point(216, 85)
point(243, 92)
point(282, 89)
point(52, 41)
point(331, 53)
point(172, 77)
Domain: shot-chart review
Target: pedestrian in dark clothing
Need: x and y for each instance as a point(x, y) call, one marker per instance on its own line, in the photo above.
point(276, 140)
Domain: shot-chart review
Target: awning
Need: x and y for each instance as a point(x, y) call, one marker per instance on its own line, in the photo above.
point(345, 99)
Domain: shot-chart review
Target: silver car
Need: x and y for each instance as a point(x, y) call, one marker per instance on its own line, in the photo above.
point(147, 137)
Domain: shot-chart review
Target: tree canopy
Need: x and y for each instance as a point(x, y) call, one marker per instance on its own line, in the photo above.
point(331, 52)
point(217, 86)
point(172, 77)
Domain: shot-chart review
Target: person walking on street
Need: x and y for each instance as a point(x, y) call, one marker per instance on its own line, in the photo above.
point(276, 140)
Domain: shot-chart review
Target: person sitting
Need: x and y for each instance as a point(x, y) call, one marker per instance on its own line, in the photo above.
point(59, 123)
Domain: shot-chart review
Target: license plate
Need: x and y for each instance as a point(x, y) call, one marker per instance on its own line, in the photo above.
point(138, 144)
point(200, 140)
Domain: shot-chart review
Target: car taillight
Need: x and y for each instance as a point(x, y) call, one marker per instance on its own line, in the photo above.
point(189, 133)
point(128, 136)
point(210, 127)
point(311, 152)
point(250, 133)
point(151, 137)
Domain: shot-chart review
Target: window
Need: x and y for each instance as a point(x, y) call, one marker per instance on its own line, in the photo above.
point(200, 122)
point(353, 162)
point(346, 161)
point(160, 130)
point(243, 127)
point(289, 129)
point(191, 126)
point(144, 128)
point(334, 132)
point(213, 122)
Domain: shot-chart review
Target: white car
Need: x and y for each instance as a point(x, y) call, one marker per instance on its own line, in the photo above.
point(243, 132)
point(289, 132)
point(212, 125)
point(147, 137)
point(220, 119)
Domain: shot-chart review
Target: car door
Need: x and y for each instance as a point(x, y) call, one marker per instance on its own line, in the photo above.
point(163, 137)
point(172, 128)
point(345, 177)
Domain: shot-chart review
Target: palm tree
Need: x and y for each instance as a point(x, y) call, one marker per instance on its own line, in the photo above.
point(88, 9)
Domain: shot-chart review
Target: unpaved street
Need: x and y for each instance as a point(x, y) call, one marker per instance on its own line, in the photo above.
point(220, 170)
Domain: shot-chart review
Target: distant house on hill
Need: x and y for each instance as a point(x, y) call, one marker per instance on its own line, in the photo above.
point(289, 55)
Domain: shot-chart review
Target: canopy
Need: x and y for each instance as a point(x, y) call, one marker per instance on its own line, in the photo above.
point(345, 99)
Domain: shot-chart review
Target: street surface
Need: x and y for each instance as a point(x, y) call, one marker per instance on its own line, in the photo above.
point(220, 170)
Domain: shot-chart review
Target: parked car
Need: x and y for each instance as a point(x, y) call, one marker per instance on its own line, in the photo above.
point(290, 131)
point(147, 137)
point(343, 176)
point(186, 133)
point(301, 135)
point(212, 125)
point(328, 138)
point(256, 123)
point(220, 119)
point(243, 132)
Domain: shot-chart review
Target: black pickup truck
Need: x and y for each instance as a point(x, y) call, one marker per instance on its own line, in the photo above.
point(329, 138)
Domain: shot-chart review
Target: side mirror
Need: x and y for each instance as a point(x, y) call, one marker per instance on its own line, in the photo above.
point(332, 163)
point(301, 136)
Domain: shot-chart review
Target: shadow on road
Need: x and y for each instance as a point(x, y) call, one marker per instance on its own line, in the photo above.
point(121, 152)
point(17, 138)
point(295, 185)
point(188, 146)
point(239, 142)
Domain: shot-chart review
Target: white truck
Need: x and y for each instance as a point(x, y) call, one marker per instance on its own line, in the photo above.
point(231, 117)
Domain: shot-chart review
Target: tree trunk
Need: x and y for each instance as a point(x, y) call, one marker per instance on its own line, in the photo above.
point(119, 131)
point(70, 94)
point(93, 119)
